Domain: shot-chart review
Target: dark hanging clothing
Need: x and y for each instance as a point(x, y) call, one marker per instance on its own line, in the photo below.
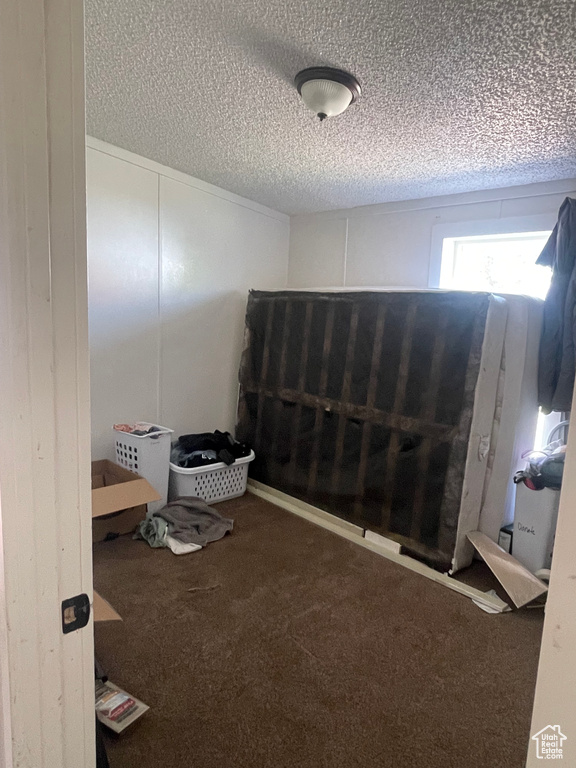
point(557, 355)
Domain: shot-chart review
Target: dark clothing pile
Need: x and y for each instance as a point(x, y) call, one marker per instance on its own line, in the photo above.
point(557, 355)
point(207, 448)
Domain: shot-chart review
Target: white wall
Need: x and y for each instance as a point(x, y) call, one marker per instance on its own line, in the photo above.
point(399, 244)
point(171, 260)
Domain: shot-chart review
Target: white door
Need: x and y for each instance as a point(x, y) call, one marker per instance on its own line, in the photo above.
point(46, 676)
point(555, 701)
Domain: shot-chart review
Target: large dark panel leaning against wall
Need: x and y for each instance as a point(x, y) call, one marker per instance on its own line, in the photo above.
point(360, 403)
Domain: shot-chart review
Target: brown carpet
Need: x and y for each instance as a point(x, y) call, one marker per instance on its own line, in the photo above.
point(286, 646)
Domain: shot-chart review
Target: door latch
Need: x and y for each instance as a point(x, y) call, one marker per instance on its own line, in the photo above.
point(75, 613)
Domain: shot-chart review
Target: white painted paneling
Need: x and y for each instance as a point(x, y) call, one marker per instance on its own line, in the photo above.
point(122, 210)
point(388, 250)
point(213, 252)
point(171, 262)
point(317, 252)
point(392, 244)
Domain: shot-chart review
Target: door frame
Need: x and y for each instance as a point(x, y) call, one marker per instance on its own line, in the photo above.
point(46, 676)
point(555, 696)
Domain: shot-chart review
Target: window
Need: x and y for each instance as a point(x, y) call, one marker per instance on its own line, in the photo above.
point(502, 264)
point(497, 263)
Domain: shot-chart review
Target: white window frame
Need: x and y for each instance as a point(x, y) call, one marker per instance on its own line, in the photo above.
point(460, 229)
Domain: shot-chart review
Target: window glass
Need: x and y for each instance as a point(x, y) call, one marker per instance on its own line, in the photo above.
point(496, 263)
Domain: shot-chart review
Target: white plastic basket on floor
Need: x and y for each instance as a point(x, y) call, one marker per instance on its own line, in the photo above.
point(213, 482)
point(148, 456)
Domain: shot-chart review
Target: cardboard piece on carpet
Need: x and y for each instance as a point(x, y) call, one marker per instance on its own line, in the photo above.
point(119, 499)
point(102, 609)
point(118, 523)
point(519, 583)
point(115, 488)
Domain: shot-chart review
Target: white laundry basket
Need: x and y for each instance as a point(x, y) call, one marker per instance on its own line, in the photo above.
point(148, 456)
point(213, 482)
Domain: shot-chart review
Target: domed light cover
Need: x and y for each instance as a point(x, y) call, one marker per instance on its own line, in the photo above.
point(327, 91)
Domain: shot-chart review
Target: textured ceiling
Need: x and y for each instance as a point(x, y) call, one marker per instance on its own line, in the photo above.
point(458, 95)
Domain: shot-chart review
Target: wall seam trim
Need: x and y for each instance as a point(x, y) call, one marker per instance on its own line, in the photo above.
point(287, 278)
point(345, 265)
point(564, 187)
point(159, 297)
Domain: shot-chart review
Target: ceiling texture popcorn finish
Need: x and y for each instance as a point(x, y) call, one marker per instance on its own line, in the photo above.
point(457, 95)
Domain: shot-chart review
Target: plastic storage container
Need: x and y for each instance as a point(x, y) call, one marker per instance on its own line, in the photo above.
point(148, 456)
point(214, 482)
point(535, 520)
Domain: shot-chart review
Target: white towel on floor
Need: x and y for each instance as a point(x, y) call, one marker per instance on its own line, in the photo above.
point(179, 548)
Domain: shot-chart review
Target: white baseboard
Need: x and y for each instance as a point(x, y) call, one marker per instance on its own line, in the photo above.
point(382, 541)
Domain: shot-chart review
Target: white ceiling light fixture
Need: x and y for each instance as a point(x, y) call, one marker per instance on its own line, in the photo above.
point(327, 91)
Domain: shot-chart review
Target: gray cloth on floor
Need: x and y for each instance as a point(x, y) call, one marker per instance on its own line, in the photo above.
point(189, 520)
point(154, 530)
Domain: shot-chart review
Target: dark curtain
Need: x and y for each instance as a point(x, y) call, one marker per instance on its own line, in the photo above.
point(557, 356)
